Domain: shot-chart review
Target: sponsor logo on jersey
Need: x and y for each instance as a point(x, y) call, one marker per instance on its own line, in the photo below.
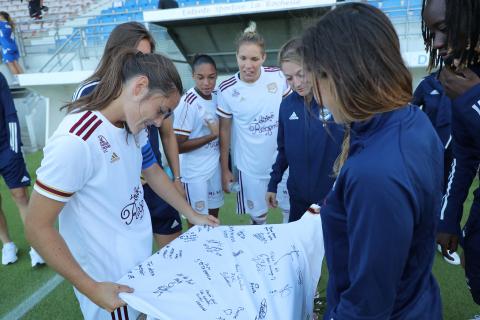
point(135, 208)
point(293, 116)
point(104, 143)
point(272, 87)
point(114, 157)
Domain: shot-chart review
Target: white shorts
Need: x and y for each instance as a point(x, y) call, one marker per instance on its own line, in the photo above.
point(251, 197)
point(282, 193)
point(206, 194)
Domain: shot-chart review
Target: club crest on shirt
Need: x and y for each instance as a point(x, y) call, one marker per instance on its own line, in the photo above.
point(250, 204)
point(199, 205)
point(104, 143)
point(235, 93)
point(272, 87)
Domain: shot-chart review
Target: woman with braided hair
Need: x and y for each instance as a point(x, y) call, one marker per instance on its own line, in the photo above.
point(451, 30)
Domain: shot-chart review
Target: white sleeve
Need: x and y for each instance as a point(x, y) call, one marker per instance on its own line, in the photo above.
point(223, 108)
point(184, 119)
point(65, 168)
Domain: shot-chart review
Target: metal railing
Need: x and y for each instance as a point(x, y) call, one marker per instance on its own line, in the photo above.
point(70, 43)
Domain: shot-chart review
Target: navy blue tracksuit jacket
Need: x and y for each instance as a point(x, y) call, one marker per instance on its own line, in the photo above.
point(10, 141)
point(379, 221)
point(309, 148)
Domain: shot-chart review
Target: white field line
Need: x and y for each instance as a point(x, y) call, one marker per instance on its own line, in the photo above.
point(34, 299)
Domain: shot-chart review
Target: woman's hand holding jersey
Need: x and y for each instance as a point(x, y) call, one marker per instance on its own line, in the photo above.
point(105, 295)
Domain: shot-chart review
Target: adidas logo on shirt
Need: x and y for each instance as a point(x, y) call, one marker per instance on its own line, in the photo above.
point(114, 158)
point(293, 116)
point(434, 92)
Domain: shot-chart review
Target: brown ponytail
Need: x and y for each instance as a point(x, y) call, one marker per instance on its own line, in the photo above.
point(127, 63)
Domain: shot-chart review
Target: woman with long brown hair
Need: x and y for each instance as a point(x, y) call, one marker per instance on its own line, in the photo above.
point(166, 222)
point(90, 179)
point(379, 218)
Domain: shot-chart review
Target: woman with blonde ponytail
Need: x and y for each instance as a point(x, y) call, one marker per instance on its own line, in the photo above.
point(90, 179)
point(379, 218)
point(248, 105)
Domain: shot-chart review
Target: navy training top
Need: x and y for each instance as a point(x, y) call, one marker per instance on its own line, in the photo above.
point(431, 96)
point(379, 221)
point(466, 161)
point(308, 147)
point(10, 137)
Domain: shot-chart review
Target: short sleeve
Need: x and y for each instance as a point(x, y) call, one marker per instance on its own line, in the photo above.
point(223, 108)
point(65, 168)
point(184, 118)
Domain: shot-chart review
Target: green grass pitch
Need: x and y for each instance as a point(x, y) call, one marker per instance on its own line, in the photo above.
point(19, 281)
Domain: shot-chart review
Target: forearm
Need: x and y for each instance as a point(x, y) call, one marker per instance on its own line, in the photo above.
point(224, 145)
point(163, 187)
point(170, 147)
point(193, 144)
point(44, 237)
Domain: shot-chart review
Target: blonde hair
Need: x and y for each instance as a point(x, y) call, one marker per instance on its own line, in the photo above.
point(291, 52)
point(251, 35)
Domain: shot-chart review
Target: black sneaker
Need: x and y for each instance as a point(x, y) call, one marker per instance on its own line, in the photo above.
point(44, 8)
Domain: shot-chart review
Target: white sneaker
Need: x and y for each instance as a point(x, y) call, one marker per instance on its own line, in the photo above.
point(454, 255)
point(35, 258)
point(9, 253)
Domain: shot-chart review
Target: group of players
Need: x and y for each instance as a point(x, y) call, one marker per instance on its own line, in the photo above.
point(348, 133)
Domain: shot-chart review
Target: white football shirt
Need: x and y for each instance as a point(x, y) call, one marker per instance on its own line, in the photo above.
point(253, 108)
point(94, 167)
point(190, 120)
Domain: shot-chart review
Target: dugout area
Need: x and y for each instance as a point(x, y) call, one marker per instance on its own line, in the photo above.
point(212, 30)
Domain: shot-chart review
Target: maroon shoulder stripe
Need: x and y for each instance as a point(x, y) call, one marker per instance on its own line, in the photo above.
point(95, 126)
point(187, 96)
point(86, 125)
point(79, 122)
point(194, 98)
point(227, 86)
point(54, 191)
point(191, 98)
point(226, 82)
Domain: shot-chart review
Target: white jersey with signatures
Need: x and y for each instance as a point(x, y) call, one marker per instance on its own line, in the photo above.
point(253, 108)
point(94, 168)
point(190, 120)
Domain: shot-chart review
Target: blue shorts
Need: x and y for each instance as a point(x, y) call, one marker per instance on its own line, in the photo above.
point(471, 249)
point(13, 169)
point(165, 219)
point(9, 56)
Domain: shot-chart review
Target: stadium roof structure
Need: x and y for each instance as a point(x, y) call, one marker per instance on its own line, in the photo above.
point(212, 29)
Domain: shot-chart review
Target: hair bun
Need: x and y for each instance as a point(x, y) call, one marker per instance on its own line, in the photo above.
point(252, 28)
